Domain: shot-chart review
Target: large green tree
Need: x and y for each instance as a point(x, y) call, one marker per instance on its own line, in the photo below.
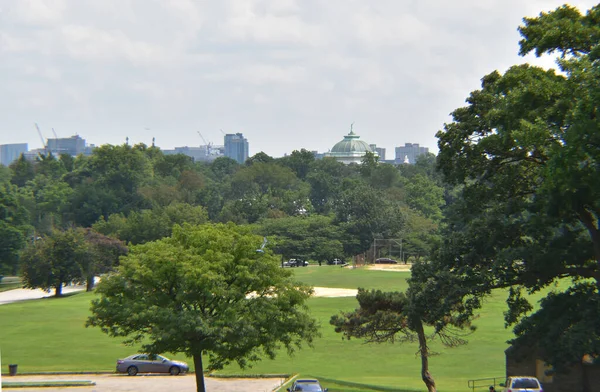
point(313, 237)
point(525, 153)
point(150, 225)
point(52, 261)
point(205, 290)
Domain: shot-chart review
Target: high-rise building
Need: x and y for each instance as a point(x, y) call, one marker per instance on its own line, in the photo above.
point(409, 153)
point(11, 152)
point(380, 151)
point(73, 146)
point(236, 147)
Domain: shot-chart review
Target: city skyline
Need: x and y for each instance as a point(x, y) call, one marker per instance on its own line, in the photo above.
point(287, 74)
point(52, 145)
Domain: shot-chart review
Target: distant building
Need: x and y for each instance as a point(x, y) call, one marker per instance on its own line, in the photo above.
point(380, 151)
point(198, 154)
point(409, 153)
point(11, 152)
point(350, 150)
point(73, 146)
point(236, 147)
point(318, 155)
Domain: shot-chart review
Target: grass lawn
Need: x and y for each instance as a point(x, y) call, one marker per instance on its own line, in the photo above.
point(10, 283)
point(49, 335)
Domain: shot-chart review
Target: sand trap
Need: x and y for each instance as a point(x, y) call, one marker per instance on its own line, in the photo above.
point(331, 292)
point(390, 267)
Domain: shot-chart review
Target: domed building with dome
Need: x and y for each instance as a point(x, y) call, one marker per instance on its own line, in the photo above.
point(350, 150)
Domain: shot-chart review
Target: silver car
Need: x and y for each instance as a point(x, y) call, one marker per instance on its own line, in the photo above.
point(150, 363)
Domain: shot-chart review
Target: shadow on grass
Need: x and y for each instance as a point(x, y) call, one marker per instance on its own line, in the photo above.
point(334, 385)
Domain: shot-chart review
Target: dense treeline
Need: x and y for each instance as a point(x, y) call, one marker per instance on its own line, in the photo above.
point(319, 209)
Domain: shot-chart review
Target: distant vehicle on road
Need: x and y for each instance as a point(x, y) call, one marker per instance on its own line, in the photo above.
point(295, 263)
point(307, 385)
point(150, 363)
point(336, 262)
point(385, 260)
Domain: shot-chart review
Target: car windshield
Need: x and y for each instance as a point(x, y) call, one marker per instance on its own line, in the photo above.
point(312, 387)
point(525, 383)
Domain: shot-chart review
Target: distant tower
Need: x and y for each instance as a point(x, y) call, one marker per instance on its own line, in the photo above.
point(406, 160)
point(236, 147)
point(153, 140)
point(127, 140)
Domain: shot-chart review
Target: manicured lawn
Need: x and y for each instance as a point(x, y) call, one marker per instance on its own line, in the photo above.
point(10, 283)
point(49, 335)
point(348, 278)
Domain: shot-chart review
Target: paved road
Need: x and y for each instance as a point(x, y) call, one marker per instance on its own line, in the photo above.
point(7, 297)
point(148, 383)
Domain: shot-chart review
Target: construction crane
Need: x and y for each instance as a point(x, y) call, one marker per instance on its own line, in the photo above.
point(55, 135)
point(44, 144)
point(205, 143)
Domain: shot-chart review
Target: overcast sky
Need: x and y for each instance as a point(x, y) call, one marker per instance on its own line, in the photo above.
point(288, 74)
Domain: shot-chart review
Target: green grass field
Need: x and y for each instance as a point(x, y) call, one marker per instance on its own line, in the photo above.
point(10, 283)
point(49, 335)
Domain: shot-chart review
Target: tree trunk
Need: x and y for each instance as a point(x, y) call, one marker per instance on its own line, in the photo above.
point(199, 371)
point(89, 283)
point(424, 351)
point(58, 290)
point(590, 221)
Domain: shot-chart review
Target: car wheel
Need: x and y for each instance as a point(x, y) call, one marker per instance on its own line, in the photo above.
point(132, 370)
point(174, 370)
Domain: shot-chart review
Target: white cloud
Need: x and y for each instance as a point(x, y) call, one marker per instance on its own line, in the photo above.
point(273, 69)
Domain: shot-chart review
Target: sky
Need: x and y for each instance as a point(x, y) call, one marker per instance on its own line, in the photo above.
point(288, 74)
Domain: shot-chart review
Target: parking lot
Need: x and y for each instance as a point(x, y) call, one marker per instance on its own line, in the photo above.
point(147, 383)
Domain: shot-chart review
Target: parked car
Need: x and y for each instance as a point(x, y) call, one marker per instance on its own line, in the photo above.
point(522, 384)
point(385, 260)
point(150, 363)
point(295, 263)
point(309, 385)
point(336, 262)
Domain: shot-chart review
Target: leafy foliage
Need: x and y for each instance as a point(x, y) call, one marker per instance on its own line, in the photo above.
point(525, 154)
point(205, 290)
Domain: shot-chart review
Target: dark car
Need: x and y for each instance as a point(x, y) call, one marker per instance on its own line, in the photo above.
point(309, 385)
point(385, 260)
point(150, 363)
point(295, 263)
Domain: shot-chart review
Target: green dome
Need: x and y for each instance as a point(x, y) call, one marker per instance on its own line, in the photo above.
point(351, 144)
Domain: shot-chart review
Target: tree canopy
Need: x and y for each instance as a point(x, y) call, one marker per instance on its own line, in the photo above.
point(205, 290)
point(525, 153)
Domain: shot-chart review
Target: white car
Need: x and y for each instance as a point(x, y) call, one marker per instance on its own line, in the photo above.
point(522, 384)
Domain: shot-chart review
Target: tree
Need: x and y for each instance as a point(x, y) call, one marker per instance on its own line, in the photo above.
point(13, 226)
point(152, 224)
point(433, 299)
point(259, 157)
point(102, 255)
point(364, 213)
point(22, 171)
point(51, 262)
point(299, 162)
point(205, 290)
point(325, 178)
point(525, 153)
point(314, 237)
point(423, 195)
